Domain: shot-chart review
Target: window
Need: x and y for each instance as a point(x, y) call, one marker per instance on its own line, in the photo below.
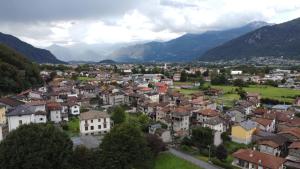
point(86, 128)
point(91, 121)
point(20, 122)
point(99, 120)
point(104, 120)
point(104, 125)
point(41, 119)
point(99, 126)
point(92, 127)
point(85, 121)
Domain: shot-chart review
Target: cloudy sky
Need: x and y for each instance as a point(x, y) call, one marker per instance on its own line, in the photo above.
point(66, 22)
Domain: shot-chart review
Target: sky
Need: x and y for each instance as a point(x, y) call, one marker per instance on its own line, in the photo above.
point(67, 22)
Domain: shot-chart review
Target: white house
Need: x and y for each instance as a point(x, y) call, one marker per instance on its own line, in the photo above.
point(56, 113)
point(154, 97)
point(236, 72)
point(94, 122)
point(24, 114)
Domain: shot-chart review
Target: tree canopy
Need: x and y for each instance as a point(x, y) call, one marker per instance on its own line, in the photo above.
point(36, 146)
point(125, 147)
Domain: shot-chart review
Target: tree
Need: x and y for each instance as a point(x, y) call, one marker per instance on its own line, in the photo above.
point(221, 152)
point(125, 147)
point(36, 146)
point(183, 76)
point(202, 137)
point(118, 115)
point(206, 73)
point(219, 80)
point(241, 92)
point(84, 158)
point(155, 144)
point(239, 83)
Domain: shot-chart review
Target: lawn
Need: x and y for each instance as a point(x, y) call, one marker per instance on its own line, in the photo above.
point(169, 161)
point(228, 99)
point(282, 94)
point(73, 126)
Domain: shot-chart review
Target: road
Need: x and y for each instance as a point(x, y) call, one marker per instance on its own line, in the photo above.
point(192, 159)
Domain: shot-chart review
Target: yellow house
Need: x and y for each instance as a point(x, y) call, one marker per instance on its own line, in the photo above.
point(242, 132)
point(2, 115)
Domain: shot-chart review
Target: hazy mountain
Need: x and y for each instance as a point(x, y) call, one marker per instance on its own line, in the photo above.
point(32, 53)
point(276, 41)
point(84, 52)
point(184, 48)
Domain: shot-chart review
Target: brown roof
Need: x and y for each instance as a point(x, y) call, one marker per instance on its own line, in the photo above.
point(269, 143)
point(209, 112)
point(264, 122)
point(53, 106)
point(36, 103)
point(11, 102)
point(293, 131)
point(295, 145)
point(93, 114)
point(259, 158)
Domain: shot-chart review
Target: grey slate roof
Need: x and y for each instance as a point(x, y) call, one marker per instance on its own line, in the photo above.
point(248, 125)
point(21, 110)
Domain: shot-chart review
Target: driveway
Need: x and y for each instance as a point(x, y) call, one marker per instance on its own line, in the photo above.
point(192, 159)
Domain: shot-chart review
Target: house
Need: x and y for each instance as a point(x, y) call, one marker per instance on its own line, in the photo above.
point(9, 103)
point(56, 113)
point(206, 114)
point(292, 134)
point(24, 114)
point(275, 145)
point(115, 97)
point(216, 124)
point(265, 124)
point(71, 108)
point(181, 119)
point(236, 72)
point(242, 132)
point(176, 77)
point(94, 122)
point(235, 115)
point(248, 159)
point(2, 115)
point(154, 97)
point(293, 158)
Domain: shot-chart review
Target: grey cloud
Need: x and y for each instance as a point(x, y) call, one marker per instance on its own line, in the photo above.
point(41, 10)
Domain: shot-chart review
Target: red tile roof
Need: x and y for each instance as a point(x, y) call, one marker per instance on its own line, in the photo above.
point(258, 158)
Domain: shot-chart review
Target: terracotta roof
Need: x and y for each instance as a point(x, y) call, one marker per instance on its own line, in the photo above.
point(209, 112)
point(295, 145)
point(53, 106)
point(36, 103)
point(259, 158)
point(93, 114)
point(264, 122)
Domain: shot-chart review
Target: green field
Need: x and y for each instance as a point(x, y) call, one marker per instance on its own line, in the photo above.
point(73, 126)
point(169, 161)
point(282, 94)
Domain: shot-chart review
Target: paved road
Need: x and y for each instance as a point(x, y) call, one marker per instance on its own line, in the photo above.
point(192, 159)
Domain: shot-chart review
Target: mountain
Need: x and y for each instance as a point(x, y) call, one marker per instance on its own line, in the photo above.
point(184, 48)
point(107, 61)
point(34, 54)
point(84, 52)
point(17, 72)
point(269, 41)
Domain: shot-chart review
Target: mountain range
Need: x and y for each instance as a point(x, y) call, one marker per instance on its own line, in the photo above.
point(32, 53)
point(184, 48)
point(280, 40)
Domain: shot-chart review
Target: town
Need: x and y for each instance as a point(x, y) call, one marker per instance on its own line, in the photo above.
point(224, 116)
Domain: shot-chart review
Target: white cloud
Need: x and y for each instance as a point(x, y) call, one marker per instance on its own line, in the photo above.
point(136, 21)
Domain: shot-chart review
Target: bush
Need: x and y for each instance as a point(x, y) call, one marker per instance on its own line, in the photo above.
point(222, 164)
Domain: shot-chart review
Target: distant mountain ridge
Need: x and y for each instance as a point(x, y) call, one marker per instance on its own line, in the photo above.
point(30, 52)
point(184, 48)
point(280, 40)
